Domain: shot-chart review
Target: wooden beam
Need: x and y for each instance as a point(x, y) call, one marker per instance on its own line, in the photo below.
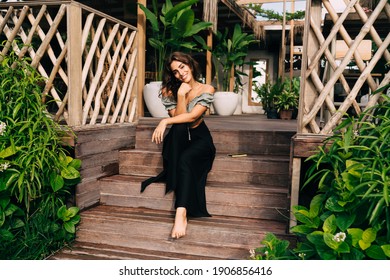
point(282, 54)
point(209, 64)
point(277, 22)
point(244, 2)
point(75, 106)
point(141, 46)
point(292, 42)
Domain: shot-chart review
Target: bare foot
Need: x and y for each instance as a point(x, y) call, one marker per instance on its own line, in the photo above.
point(180, 225)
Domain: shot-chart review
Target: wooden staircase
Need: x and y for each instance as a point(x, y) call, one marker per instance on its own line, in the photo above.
point(246, 196)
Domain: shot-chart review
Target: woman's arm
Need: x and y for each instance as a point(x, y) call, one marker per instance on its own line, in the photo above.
point(182, 92)
point(181, 104)
point(196, 112)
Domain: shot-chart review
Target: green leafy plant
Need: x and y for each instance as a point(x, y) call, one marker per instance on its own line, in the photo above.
point(281, 94)
point(229, 53)
point(273, 248)
point(351, 171)
point(288, 97)
point(174, 28)
point(69, 217)
point(263, 91)
point(36, 172)
point(349, 216)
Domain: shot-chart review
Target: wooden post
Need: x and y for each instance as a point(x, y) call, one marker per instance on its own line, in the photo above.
point(141, 35)
point(306, 96)
point(231, 80)
point(209, 64)
point(295, 183)
point(308, 93)
point(75, 106)
point(292, 42)
point(282, 54)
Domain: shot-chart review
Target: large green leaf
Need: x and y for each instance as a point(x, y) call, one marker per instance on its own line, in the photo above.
point(196, 28)
point(72, 211)
point(302, 229)
point(332, 204)
point(317, 238)
point(151, 17)
point(369, 235)
point(183, 24)
point(316, 204)
point(330, 225)
point(345, 220)
point(327, 254)
point(177, 8)
point(356, 234)
point(157, 44)
point(56, 181)
point(70, 173)
point(375, 252)
point(386, 249)
point(9, 151)
point(70, 227)
point(75, 163)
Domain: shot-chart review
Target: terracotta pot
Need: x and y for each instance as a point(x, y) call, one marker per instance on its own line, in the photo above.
point(286, 114)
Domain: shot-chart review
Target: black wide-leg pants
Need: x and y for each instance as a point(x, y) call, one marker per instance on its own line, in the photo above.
point(188, 156)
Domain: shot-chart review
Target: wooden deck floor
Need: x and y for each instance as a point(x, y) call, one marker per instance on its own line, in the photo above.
point(245, 122)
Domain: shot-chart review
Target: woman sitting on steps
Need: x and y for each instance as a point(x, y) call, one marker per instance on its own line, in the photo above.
point(188, 149)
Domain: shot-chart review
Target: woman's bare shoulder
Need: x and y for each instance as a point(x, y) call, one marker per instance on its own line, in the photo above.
point(208, 89)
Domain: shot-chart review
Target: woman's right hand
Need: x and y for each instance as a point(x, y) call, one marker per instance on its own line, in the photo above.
point(158, 134)
point(184, 89)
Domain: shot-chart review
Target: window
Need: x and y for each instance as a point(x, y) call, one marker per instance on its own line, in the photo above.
point(258, 74)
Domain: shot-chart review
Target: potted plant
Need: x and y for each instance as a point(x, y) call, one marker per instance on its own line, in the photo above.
point(287, 100)
point(173, 28)
point(267, 99)
point(267, 93)
point(229, 55)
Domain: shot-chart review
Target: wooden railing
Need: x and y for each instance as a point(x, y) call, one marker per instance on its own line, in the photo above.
point(88, 58)
point(319, 114)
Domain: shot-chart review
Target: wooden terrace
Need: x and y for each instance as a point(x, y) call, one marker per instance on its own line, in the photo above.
point(95, 67)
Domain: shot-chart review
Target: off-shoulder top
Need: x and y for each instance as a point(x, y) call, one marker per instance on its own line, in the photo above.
point(204, 99)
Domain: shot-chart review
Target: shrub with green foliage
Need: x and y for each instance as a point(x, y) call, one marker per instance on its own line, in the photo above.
point(349, 216)
point(36, 171)
point(273, 249)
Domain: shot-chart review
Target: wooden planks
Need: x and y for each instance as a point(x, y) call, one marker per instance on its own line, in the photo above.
point(98, 149)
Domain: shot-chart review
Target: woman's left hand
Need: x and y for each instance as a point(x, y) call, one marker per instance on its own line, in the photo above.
point(158, 134)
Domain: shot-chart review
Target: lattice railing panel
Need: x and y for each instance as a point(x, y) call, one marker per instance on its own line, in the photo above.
point(318, 82)
point(106, 91)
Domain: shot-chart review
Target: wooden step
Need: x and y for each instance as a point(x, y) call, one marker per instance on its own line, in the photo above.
point(97, 251)
point(227, 140)
point(229, 199)
point(145, 229)
point(252, 169)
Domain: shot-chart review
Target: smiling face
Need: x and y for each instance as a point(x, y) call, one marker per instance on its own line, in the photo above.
point(181, 71)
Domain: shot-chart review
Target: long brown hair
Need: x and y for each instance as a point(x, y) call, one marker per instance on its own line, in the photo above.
point(169, 81)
